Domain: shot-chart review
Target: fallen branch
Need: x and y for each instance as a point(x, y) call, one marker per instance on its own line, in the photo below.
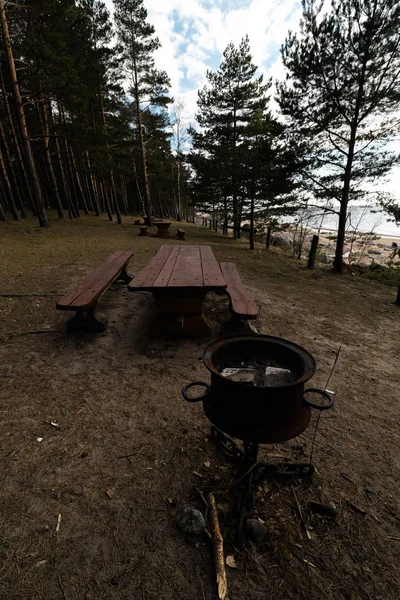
point(356, 508)
point(31, 294)
point(139, 449)
point(62, 588)
point(8, 455)
point(35, 331)
point(304, 524)
point(58, 523)
point(201, 496)
point(218, 543)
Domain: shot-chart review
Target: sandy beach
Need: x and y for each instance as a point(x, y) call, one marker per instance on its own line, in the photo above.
point(359, 250)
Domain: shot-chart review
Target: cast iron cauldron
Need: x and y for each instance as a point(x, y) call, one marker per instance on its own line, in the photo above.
point(258, 414)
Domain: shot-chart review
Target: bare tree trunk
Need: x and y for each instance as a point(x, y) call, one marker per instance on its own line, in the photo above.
point(26, 182)
point(106, 199)
point(115, 199)
point(147, 200)
point(91, 183)
point(14, 186)
point(251, 240)
point(78, 181)
point(112, 181)
point(68, 200)
point(7, 188)
point(3, 214)
point(124, 193)
point(41, 106)
point(37, 193)
point(139, 193)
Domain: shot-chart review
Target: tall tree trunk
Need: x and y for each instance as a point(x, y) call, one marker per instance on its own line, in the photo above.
point(112, 181)
point(178, 181)
point(115, 199)
point(78, 181)
point(106, 199)
point(68, 200)
point(91, 184)
point(251, 240)
point(67, 194)
point(147, 201)
point(25, 180)
point(338, 260)
point(14, 186)
point(37, 193)
point(3, 214)
point(124, 193)
point(41, 106)
point(7, 188)
point(71, 166)
point(139, 193)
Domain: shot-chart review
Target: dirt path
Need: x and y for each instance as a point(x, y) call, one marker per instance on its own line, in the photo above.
point(119, 394)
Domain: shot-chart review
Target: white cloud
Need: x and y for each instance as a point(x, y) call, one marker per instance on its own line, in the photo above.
point(194, 34)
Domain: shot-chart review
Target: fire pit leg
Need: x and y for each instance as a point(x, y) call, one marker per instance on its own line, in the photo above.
point(252, 473)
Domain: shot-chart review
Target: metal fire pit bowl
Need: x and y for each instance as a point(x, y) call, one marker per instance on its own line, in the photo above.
point(258, 414)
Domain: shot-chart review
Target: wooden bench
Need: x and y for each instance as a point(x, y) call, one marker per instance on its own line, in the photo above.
point(143, 230)
point(84, 298)
point(241, 306)
point(180, 234)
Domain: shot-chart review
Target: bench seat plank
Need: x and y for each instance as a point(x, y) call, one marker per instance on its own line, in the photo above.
point(242, 305)
point(86, 294)
point(211, 270)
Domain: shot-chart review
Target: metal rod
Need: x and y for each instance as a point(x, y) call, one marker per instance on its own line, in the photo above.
point(319, 415)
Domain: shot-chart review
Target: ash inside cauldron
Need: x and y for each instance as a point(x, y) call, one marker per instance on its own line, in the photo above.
point(258, 371)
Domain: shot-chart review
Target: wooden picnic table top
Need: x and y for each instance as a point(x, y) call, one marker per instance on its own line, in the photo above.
point(180, 266)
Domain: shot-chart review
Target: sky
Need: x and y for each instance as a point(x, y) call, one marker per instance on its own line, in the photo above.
point(194, 34)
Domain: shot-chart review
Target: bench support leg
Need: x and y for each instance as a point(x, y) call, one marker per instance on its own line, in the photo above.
point(236, 325)
point(85, 320)
point(123, 277)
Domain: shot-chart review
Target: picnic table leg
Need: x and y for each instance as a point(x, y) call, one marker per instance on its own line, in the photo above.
point(180, 313)
point(85, 320)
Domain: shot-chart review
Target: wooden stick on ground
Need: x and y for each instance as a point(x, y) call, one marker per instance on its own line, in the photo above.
point(218, 543)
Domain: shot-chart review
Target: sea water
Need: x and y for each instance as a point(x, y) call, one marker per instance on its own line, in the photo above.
point(360, 218)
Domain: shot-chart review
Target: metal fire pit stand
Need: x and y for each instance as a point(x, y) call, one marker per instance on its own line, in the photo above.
point(252, 473)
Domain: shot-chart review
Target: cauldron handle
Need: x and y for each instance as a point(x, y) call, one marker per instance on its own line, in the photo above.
point(323, 393)
point(196, 398)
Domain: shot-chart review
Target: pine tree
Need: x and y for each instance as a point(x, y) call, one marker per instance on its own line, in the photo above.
point(20, 112)
point(227, 106)
point(341, 96)
point(148, 86)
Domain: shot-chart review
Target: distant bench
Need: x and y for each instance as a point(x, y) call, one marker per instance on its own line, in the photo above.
point(180, 234)
point(241, 306)
point(85, 297)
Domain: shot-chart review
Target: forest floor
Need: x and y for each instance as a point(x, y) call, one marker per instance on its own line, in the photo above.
point(88, 509)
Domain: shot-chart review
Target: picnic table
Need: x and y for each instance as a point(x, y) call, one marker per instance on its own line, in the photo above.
point(179, 277)
point(162, 228)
